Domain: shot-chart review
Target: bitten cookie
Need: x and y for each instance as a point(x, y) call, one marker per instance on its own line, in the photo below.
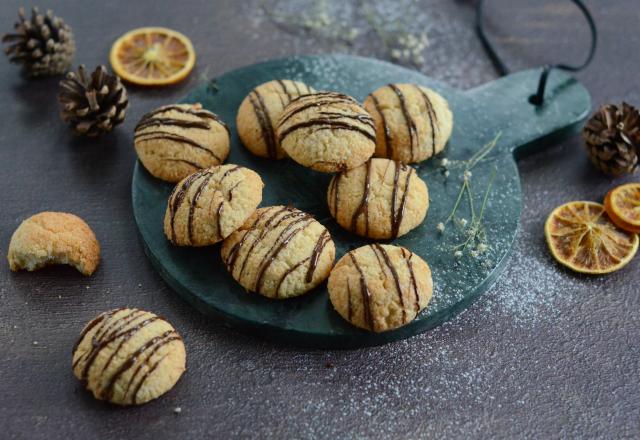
point(413, 123)
point(327, 132)
point(207, 206)
point(280, 252)
point(54, 238)
point(379, 199)
point(175, 140)
point(128, 356)
point(380, 287)
point(259, 112)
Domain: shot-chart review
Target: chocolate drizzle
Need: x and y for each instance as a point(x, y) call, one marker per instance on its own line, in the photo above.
point(410, 123)
point(193, 204)
point(195, 165)
point(366, 294)
point(432, 118)
point(182, 123)
point(398, 214)
point(327, 123)
point(412, 274)
point(284, 89)
point(177, 197)
point(165, 135)
point(387, 260)
point(316, 100)
point(335, 190)
point(262, 114)
point(196, 110)
point(315, 254)
point(387, 133)
point(363, 207)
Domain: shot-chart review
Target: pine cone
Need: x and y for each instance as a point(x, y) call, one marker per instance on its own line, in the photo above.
point(612, 136)
point(44, 44)
point(92, 105)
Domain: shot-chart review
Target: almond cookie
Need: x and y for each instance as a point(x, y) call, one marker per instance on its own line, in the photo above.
point(280, 252)
point(379, 199)
point(54, 238)
point(380, 287)
point(175, 140)
point(259, 112)
point(128, 356)
point(327, 132)
point(207, 206)
point(413, 122)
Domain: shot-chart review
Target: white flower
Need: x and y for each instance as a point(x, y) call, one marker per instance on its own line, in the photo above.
point(446, 173)
point(444, 162)
point(457, 254)
point(467, 175)
point(463, 222)
point(482, 247)
point(474, 253)
point(396, 54)
point(440, 227)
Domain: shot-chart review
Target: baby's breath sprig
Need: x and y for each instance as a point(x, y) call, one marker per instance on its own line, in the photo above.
point(475, 231)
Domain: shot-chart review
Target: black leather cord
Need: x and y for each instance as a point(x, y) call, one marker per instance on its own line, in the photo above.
point(501, 67)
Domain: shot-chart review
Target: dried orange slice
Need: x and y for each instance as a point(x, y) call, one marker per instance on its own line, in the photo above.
point(623, 206)
point(152, 56)
point(582, 237)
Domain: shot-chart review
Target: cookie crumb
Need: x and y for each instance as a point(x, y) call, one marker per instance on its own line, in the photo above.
point(35, 342)
point(177, 410)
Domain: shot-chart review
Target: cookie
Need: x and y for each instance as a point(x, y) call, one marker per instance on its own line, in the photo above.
point(128, 356)
point(379, 199)
point(413, 123)
point(259, 112)
point(380, 287)
point(54, 238)
point(175, 140)
point(327, 132)
point(207, 206)
point(280, 252)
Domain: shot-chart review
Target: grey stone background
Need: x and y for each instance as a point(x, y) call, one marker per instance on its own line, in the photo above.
point(543, 354)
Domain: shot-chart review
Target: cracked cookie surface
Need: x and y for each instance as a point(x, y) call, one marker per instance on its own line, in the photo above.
point(173, 141)
point(413, 123)
point(380, 287)
point(327, 131)
point(207, 206)
point(280, 252)
point(128, 356)
point(259, 112)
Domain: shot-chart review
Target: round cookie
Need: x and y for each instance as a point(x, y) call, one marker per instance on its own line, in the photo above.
point(380, 287)
point(175, 140)
point(413, 123)
point(379, 199)
point(54, 238)
point(207, 206)
point(259, 112)
point(280, 252)
point(327, 132)
point(128, 356)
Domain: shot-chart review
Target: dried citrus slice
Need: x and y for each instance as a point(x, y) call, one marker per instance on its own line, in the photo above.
point(152, 56)
point(623, 206)
point(582, 237)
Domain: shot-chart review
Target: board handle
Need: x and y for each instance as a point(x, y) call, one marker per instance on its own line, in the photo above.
point(505, 105)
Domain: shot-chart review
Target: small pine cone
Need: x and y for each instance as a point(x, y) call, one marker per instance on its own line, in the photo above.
point(43, 44)
point(94, 104)
point(612, 136)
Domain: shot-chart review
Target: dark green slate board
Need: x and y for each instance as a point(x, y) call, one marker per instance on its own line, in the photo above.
point(479, 114)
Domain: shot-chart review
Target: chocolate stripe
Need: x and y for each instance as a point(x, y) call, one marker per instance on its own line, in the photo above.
point(394, 273)
point(316, 100)
point(366, 294)
point(326, 124)
point(315, 254)
point(413, 279)
point(387, 133)
point(410, 123)
point(163, 135)
point(189, 111)
point(200, 125)
point(432, 117)
point(363, 207)
point(284, 89)
point(262, 114)
point(177, 197)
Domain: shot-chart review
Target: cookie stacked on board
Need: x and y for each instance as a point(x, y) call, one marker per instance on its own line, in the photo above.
point(279, 251)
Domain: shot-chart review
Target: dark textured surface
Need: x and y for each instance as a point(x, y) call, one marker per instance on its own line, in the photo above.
point(545, 353)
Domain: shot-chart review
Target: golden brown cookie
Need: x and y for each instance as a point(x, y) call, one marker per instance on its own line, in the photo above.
point(380, 287)
point(128, 356)
point(327, 132)
point(413, 123)
point(259, 112)
point(54, 238)
point(379, 199)
point(207, 206)
point(175, 140)
point(280, 252)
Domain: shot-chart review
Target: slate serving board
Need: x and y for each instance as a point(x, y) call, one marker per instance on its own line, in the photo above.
point(500, 107)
